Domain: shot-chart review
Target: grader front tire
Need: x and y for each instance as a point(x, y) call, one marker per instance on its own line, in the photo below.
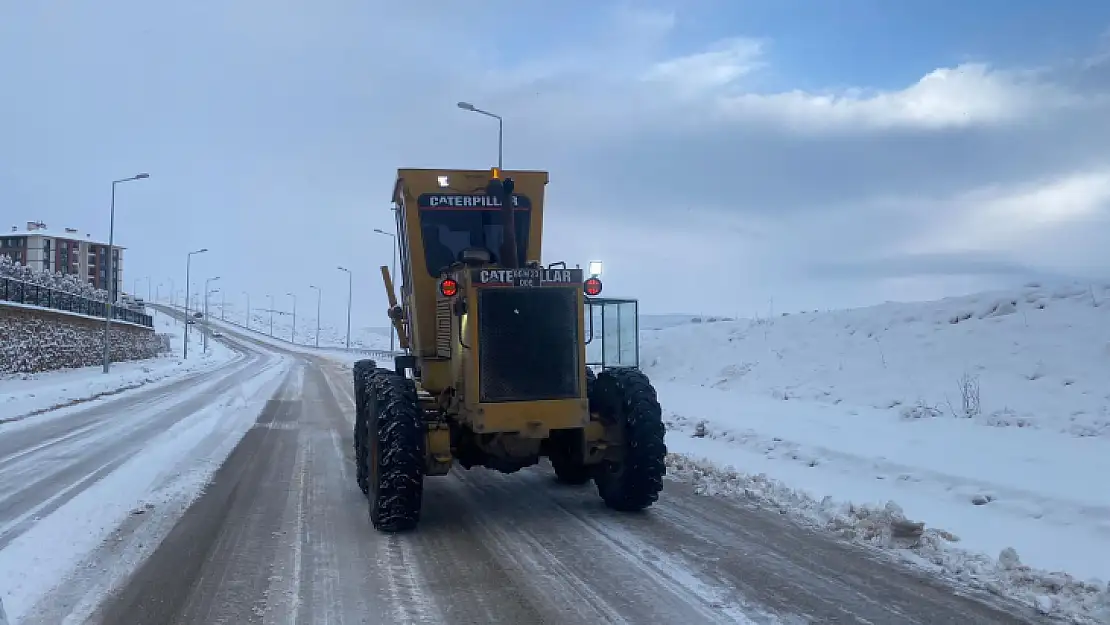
point(626, 400)
point(394, 458)
point(361, 375)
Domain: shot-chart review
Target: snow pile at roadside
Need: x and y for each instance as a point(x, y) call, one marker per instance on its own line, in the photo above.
point(986, 418)
point(24, 395)
point(887, 527)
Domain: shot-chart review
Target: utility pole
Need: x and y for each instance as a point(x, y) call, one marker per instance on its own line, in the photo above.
point(392, 327)
point(110, 276)
point(350, 287)
point(467, 106)
point(248, 309)
point(293, 338)
point(319, 296)
point(207, 325)
point(188, 264)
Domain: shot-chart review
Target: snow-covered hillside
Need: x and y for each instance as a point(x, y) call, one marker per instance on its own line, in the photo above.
point(985, 417)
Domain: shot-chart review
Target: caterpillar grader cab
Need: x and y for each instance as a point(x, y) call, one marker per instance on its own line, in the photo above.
point(494, 371)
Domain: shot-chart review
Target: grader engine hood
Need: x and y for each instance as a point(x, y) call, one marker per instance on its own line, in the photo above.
point(529, 345)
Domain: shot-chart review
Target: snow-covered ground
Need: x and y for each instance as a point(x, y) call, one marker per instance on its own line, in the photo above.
point(142, 468)
point(23, 395)
point(986, 417)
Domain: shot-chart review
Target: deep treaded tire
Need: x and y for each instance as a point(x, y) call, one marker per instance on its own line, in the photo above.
point(395, 441)
point(569, 472)
point(625, 398)
point(361, 375)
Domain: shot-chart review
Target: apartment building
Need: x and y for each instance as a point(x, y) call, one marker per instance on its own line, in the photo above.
point(66, 251)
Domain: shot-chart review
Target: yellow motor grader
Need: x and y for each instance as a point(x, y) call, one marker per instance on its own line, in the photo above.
point(494, 366)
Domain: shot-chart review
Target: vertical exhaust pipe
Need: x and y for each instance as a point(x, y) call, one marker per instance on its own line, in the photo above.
point(503, 191)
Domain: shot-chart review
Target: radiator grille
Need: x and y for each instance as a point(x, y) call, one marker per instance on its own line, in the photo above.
point(443, 327)
point(528, 344)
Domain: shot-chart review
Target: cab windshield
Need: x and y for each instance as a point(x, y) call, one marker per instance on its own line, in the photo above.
point(448, 231)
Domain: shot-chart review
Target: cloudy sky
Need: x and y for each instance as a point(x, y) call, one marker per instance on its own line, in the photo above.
point(718, 155)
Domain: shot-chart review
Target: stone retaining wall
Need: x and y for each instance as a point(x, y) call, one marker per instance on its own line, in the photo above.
point(37, 339)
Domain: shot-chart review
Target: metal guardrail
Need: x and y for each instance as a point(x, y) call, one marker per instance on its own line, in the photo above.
point(377, 353)
point(20, 292)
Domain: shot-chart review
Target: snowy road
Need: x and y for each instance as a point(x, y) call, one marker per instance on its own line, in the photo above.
point(48, 460)
point(282, 536)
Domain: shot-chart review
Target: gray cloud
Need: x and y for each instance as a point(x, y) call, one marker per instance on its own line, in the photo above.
point(918, 265)
point(273, 132)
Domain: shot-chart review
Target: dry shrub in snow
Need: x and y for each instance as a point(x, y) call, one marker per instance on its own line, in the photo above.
point(969, 397)
point(920, 410)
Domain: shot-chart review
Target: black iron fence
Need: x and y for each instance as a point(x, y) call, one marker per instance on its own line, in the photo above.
point(35, 295)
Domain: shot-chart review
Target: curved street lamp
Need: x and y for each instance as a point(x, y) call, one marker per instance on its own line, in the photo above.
point(113, 287)
point(188, 265)
point(350, 285)
point(467, 106)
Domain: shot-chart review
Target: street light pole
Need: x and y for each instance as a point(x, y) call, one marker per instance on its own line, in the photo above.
point(223, 303)
point(188, 264)
point(467, 106)
point(248, 309)
point(293, 340)
point(110, 275)
point(271, 314)
point(350, 288)
point(136, 290)
point(392, 327)
point(207, 326)
point(319, 296)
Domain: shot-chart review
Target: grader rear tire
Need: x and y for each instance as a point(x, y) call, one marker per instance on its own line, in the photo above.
point(361, 375)
point(394, 438)
point(625, 399)
point(567, 471)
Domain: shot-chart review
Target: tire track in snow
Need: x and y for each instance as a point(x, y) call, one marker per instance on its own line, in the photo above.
point(43, 476)
point(492, 548)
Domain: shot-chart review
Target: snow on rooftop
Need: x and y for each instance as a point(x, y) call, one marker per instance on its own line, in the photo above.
point(55, 234)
